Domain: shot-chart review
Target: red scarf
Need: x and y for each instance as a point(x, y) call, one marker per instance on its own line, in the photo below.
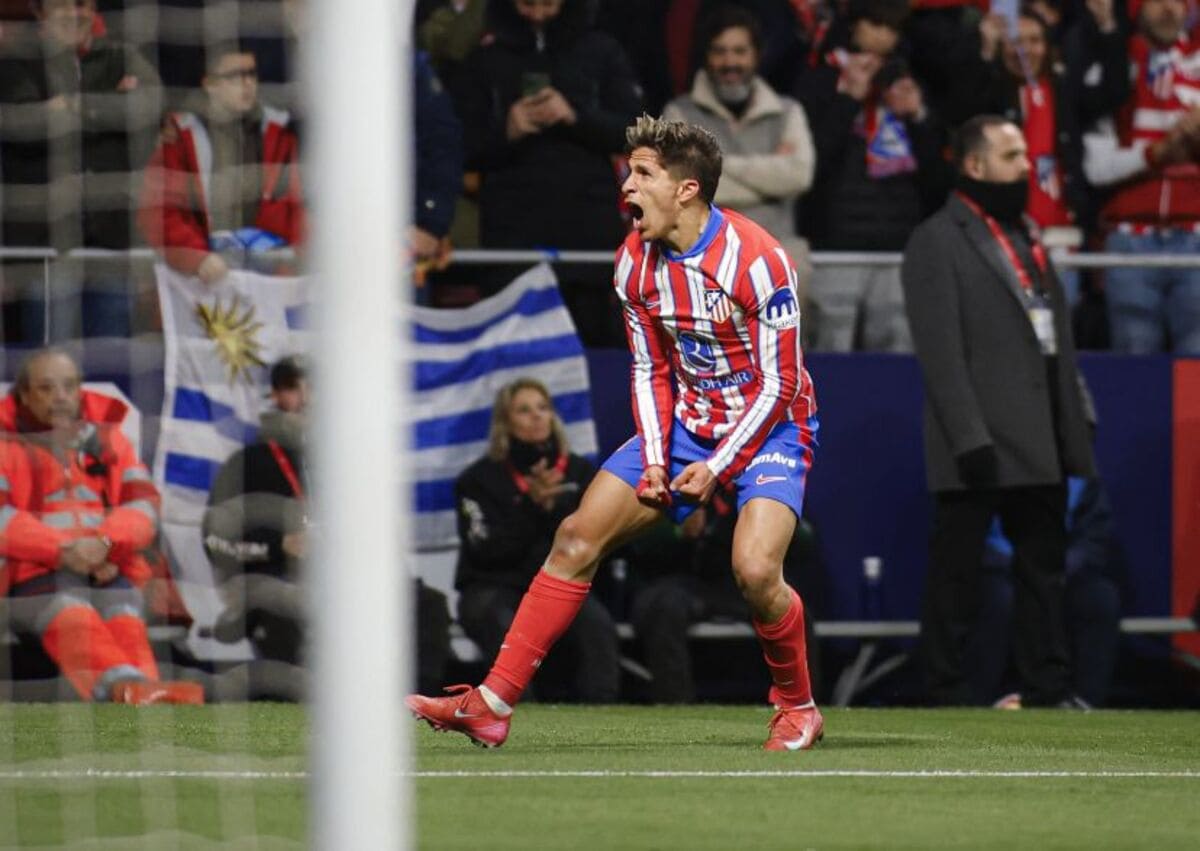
point(1046, 205)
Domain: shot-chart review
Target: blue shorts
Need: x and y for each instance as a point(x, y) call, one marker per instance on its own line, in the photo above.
point(778, 471)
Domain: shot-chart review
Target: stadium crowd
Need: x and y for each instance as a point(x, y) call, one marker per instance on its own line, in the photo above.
point(835, 119)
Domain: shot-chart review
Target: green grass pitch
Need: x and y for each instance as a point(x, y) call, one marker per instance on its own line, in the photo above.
point(235, 776)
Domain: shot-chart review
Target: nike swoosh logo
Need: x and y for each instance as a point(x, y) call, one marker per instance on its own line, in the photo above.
point(458, 713)
point(766, 480)
point(795, 744)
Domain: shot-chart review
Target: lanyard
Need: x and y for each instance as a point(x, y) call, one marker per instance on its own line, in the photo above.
point(522, 482)
point(1039, 253)
point(285, 467)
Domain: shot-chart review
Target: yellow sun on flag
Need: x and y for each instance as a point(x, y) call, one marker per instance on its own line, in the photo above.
point(234, 331)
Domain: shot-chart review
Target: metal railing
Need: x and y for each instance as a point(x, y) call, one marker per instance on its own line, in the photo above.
point(481, 257)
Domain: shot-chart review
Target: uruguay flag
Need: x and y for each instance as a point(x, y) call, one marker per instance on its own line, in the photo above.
point(220, 342)
point(463, 357)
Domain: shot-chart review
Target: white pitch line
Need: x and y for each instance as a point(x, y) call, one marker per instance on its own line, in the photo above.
point(932, 774)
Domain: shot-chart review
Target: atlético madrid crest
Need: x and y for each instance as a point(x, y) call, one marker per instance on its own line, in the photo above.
point(717, 305)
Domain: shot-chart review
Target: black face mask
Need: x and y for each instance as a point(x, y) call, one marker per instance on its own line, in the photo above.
point(1004, 202)
point(524, 455)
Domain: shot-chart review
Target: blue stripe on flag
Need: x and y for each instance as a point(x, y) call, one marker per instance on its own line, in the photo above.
point(530, 303)
point(190, 471)
point(197, 406)
point(434, 374)
point(296, 317)
point(473, 425)
point(435, 495)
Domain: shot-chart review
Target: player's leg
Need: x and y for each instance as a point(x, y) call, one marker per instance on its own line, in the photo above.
point(760, 541)
point(607, 515)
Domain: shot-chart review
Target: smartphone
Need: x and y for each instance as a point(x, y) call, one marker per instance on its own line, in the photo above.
point(533, 82)
point(1010, 11)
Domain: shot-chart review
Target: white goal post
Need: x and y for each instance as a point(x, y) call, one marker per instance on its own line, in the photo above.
point(358, 72)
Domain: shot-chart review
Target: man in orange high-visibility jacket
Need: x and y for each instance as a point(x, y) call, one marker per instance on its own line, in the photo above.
point(76, 509)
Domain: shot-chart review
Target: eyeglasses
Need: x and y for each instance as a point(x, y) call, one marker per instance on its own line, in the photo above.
point(237, 74)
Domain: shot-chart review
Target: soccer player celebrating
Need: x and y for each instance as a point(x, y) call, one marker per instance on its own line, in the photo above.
point(720, 397)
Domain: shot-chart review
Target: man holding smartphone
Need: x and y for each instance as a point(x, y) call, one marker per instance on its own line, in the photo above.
point(544, 106)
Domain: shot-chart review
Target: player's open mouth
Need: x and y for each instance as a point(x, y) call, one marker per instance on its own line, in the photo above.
point(637, 213)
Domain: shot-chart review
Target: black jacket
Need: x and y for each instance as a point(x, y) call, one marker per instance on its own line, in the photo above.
point(504, 536)
point(556, 188)
point(99, 144)
point(252, 505)
point(986, 380)
point(847, 209)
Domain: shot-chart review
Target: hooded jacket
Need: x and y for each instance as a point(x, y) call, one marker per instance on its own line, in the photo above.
point(98, 488)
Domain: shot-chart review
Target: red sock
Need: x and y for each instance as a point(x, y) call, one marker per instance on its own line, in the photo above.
point(80, 644)
point(129, 631)
point(546, 611)
point(784, 649)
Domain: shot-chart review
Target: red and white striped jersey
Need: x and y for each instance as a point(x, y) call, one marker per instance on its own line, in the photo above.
point(723, 318)
point(1166, 85)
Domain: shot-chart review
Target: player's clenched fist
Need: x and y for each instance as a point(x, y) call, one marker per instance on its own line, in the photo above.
point(652, 488)
point(696, 483)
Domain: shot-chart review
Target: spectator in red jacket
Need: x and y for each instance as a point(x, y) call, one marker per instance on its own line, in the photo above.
point(224, 176)
point(77, 507)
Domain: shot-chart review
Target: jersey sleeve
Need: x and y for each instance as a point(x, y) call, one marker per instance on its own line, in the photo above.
point(650, 380)
point(767, 294)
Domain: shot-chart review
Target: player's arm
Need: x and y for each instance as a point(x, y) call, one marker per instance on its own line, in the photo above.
point(650, 376)
point(767, 294)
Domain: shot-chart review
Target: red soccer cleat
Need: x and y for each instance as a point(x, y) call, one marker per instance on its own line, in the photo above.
point(465, 711)
point(795, 729)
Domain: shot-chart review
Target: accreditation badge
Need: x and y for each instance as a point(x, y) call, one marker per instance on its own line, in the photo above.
point(1042, 318)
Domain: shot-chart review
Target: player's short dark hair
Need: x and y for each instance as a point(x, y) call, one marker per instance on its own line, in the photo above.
point(288, 372)
point(685, 150)
point(727, 18)
point(971, 138)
